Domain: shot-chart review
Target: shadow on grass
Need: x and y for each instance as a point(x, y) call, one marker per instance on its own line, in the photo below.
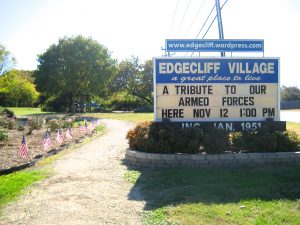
point(162, 187)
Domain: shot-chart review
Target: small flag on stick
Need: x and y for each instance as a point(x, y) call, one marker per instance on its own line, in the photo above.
point(81, 128)
point(59, 137)
point(86, 126)
point(69, 133)
point(47, 141)
point(23, 151)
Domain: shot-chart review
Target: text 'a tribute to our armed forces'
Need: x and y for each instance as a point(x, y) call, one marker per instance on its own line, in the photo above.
point(189, 89)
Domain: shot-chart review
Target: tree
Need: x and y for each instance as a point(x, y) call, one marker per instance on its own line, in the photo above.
point(17, 90)
point(290, 93)
point(135, 78)
point(7, 61)
point(76, 67)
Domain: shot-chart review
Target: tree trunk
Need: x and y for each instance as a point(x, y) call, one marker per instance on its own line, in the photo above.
point(73, 103)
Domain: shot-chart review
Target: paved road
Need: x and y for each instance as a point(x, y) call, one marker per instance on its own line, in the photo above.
point(290, 115)
point(88, 188)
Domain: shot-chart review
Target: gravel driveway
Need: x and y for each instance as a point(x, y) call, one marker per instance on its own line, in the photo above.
point(87, 187)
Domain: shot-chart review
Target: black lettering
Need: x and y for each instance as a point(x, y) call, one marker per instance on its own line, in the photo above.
point(237, 101)
point(193, 101)
point(257, 89)
point(165, 91)
point(172, 113)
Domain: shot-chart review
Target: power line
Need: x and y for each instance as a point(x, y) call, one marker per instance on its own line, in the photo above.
point(173, 19)
point(206, 21)
point(210, 23)
point(181, 22)
point(213, 21)
point(195, 17)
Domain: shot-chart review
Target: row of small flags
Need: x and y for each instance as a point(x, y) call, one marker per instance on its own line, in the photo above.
point(23, 150)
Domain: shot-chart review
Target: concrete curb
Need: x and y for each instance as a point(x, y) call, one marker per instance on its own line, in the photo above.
point(155, 160)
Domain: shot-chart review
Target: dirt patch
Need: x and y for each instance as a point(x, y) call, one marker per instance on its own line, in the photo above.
point(88, 187)
point(9, 149)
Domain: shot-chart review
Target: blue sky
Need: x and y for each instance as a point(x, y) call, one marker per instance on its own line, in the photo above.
point(140, 27)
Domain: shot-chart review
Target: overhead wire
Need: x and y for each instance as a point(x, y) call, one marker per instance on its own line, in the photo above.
point(195, 17)
point(181, 22)
point(213, 21)
point(210, 23)
point(173, 18)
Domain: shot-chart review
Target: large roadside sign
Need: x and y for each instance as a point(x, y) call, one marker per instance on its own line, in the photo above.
point(193, 90)
point(214, 45)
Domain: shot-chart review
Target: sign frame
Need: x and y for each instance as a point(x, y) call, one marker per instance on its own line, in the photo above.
point(216, 119)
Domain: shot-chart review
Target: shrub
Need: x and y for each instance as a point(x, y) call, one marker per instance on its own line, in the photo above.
point(56, 124)
point(287, 141)
point(266, 141)
point(8, 123)
point(169, 138)
point(34, 123)
point(164, 138)
point(3, 135)
point(8, 113)
point(216, 141)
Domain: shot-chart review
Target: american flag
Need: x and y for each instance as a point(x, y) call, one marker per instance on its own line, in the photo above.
point(86, 126)
point(92, 126)
point(81, 128)
point(47, 141)
point(23, 151)
point(69, 133)
point(59, 137)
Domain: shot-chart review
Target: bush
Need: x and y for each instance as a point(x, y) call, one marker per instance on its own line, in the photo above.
point(169, 138)
point(215, 141)
point(34, 123)
point(122, 101)
point(144, 109)
point(56, 124)
point(8, 113)
point(266, 141)
point(164, 138)
point(8, 123)
point(3, 135)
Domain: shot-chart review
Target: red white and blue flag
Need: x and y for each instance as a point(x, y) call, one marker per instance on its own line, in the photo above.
point(86, 125)
point(81, 128)
point(59, 136)
point(47, 141)
point(69, 133)
point(23, 151)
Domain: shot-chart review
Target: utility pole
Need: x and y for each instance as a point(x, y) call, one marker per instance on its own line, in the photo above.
point(220, 25)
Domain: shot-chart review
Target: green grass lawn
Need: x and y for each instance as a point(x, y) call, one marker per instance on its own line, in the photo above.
point(268, 195)
point(293, 127)
point(131, 117)
point(12, 185)
point(25, 111)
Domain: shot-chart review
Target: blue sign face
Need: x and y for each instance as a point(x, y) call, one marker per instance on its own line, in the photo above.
point(216, 70)
point(214, 45)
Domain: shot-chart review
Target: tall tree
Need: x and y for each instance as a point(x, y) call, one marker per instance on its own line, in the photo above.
point(135, 78)
point(17, 90)
point(76, 67)
point(7, 61)
point(290, 93)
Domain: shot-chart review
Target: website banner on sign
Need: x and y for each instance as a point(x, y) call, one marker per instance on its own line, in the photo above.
point(216, 89)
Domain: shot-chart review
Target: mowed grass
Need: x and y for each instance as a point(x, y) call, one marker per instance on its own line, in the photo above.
point(269, 195)
point(12, 185)
point(293, 127)
point(130, 117)
point(24, 111)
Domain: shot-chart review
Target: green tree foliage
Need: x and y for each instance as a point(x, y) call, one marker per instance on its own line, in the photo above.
point(7, 61)
point(16, 89)
point(290, 93)
point(135, 78)
point(77, 68)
